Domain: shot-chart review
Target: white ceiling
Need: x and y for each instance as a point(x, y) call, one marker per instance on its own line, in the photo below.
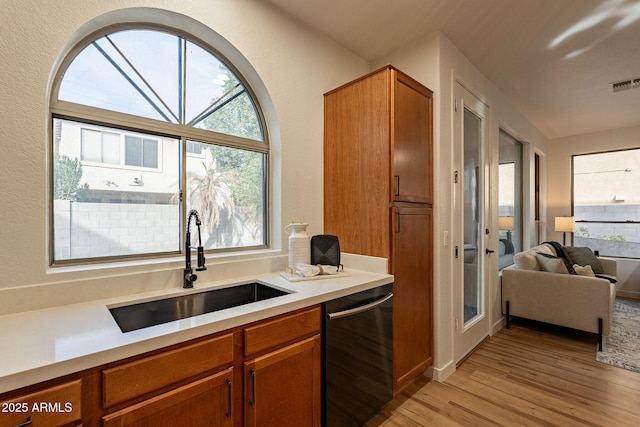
point(554, 59)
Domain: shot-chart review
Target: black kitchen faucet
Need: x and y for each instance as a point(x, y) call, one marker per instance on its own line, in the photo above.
point(189, 276)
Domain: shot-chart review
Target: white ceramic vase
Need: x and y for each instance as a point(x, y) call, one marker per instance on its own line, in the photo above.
point(299, 244)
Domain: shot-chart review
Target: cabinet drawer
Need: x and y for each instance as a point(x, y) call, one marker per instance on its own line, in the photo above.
point(143, 376)
point(53, 406)
point(204, 402)
point(281, 331)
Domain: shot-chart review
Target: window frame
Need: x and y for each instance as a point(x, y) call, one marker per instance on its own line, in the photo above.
point(577, 222)
point(129, 123)
point(517, 234)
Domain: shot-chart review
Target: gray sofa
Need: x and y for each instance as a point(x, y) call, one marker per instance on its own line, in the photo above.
point(575, 301)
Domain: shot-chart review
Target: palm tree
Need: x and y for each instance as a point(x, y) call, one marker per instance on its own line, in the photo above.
point(211, 195)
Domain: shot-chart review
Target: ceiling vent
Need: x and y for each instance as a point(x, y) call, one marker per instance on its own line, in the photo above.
point(625, 85)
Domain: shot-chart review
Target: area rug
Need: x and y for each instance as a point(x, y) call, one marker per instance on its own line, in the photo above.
point(622, 347)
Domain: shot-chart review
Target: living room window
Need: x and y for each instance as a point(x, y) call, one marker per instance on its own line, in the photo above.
point(606, 202)
point(509, 198)
point(148, 124)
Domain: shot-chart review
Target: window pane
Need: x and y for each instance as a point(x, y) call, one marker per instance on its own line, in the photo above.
point(102, 211)
point(156, 56)
point(227, 188)
point(237, 117)
point(111, 148)
point(91, 145)
point(95, 78)
point(144, 72)
point(201, 88)
point(606, 202)
point(132, 151)
point(509, 199)
point(150, 153)
point(194, 148)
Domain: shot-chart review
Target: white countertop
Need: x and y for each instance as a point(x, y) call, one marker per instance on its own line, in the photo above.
point(44, 344)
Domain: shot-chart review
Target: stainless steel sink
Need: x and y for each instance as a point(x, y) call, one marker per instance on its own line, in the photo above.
point(145, 314)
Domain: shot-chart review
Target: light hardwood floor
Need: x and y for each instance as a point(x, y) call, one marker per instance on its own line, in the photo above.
point(529, 375)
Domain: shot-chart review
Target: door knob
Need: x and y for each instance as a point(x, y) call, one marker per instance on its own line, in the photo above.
point(488, 251)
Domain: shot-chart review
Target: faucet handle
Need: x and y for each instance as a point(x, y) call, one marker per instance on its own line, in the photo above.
point(201, 259)
point(189, 278)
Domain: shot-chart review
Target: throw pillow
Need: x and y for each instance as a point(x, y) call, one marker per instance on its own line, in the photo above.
point(583, 256)
point(551, 264)
point(584, 270)
point(526, 260)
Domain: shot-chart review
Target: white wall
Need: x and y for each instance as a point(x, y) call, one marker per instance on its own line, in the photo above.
point(437, 63)
point(289, 66)
point(559, 194)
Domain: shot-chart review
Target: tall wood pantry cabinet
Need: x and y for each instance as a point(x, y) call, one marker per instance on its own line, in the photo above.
point(378, 196)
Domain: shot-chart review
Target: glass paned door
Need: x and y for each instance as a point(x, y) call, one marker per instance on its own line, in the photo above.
point(471, 174)
point(471, 214)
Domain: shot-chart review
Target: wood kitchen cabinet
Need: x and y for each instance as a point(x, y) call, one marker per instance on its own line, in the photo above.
point(282, 371)
point(201, 402)
point(205, 402)
point(378, 196)
point(260, 374)
point(412, 246)
point(283, 387)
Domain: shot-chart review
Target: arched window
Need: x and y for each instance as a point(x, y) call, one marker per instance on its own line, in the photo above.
point(147, 125)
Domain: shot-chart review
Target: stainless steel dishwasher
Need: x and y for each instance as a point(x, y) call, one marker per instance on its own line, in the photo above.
point(357, 356)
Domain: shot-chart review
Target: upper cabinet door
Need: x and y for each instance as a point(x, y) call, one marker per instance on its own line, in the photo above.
point(411, 140)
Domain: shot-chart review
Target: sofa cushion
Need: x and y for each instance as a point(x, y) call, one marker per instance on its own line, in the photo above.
point(544, 248)
point(526, 260)
point(584, 270)
point(583, 256)
point(551, 264)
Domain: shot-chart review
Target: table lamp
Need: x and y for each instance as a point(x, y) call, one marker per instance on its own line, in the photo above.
point(506, 223)
point(565, 225)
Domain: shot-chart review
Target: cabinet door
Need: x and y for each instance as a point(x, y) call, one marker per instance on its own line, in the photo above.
point(412, 135)
point(413, 300)
point(282, 388)
point(206, 402)
point(356, 159)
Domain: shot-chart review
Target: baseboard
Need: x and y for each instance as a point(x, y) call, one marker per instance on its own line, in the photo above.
point(628, 294)
point(440, 374)
point(499, 324)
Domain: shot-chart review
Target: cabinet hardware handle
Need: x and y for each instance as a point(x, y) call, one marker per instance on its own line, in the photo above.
point(252, 401)
point(457, 252)
point(397, 184)
point(228, 414)
point(397, 222)
point(24, 424)
point(488, 251)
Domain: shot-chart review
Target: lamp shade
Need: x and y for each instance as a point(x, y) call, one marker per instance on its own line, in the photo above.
point(505, 223)
point(564, 224)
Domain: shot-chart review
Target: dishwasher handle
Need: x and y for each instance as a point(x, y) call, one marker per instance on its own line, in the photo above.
point(360, 309)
